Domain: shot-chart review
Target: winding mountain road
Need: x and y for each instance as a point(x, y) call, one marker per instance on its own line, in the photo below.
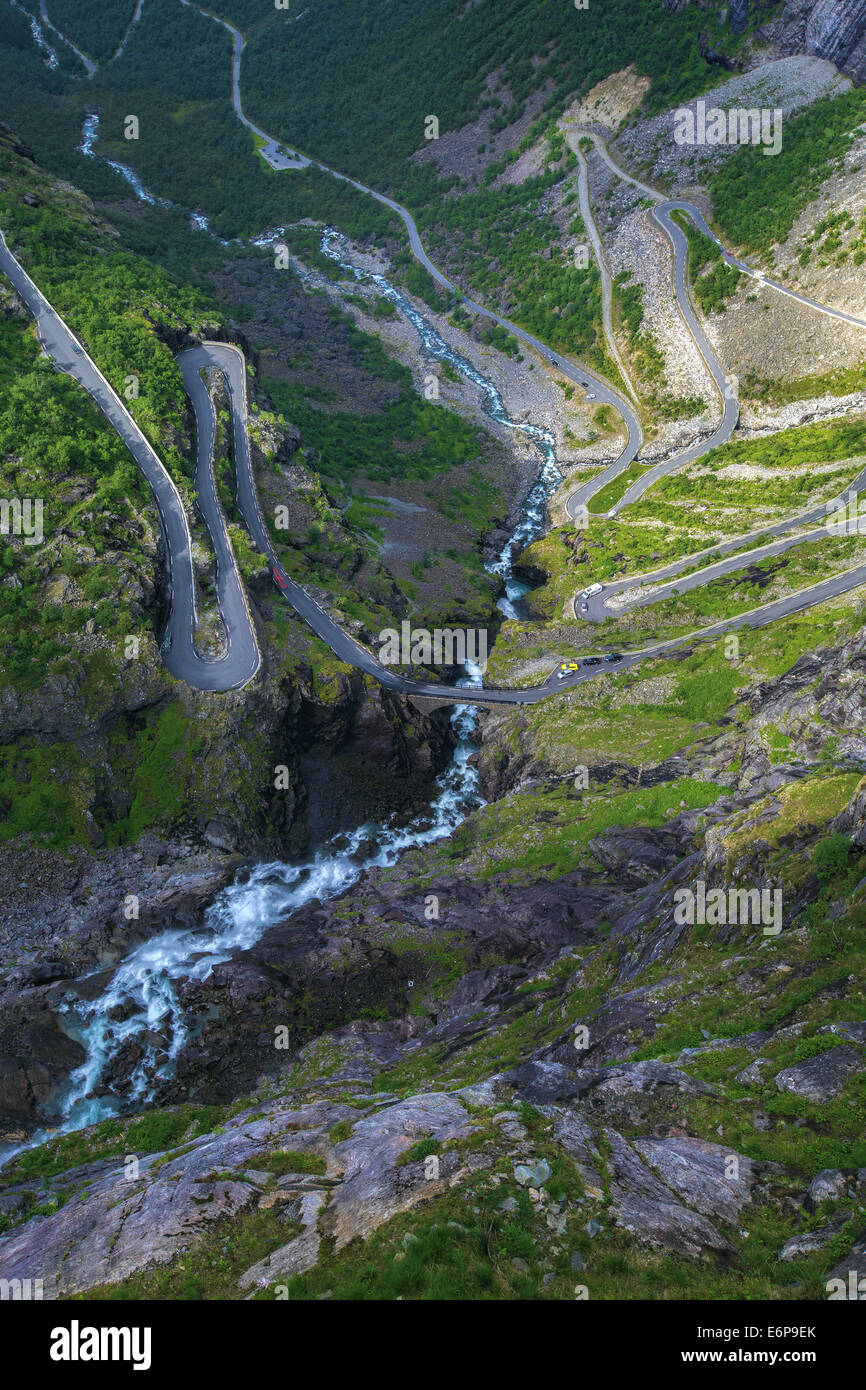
point(242, 659)
point(678, 205)
point(83, 58)
point(658, 585)
point(583, 197)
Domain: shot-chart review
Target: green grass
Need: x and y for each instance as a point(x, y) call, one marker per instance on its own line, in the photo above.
point(149, 1133)
point(755, 201)
point(712, 281)
point(809, 804)
point(44, 791)
point(159, 785)
point(292, 1161)
point(410, 439)
point(549, 834)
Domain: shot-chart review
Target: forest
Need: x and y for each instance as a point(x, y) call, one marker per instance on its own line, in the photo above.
point(755, 201)
point(503, 244)
point(436, 59)
point(320, 84)
point(175, 76)
point(98, 29)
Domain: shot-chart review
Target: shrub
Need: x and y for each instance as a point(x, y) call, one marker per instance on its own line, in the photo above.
point(831, 856)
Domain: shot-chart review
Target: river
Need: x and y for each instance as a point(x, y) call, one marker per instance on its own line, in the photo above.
point(141, 1001)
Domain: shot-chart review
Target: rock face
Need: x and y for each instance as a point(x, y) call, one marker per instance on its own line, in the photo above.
point(311, 971)
point(118, 1220)
point(36, 1057)
point(822, 1077)
point(78, 919)
point(836, 29)
point(832, 29)
point(831, 1184)
point(707, 1176)
point(648, 1209)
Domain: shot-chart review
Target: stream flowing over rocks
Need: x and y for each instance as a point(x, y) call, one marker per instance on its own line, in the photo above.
point(531, 521)
point(622, 1120)
point(450, 1007)
point(126, 1032)
point(127, 1035)
point(121, 1030)
point(132, 1030)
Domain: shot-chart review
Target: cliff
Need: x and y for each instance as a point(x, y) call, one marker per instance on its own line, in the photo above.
point(832, 29)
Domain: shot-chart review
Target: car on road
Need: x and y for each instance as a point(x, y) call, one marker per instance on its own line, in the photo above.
point(613, 656)
point(279, 578)
point(79, 352)
point(590, 395)
point(592, 661)
point(584, 608)
point(568, 668)
point(593, 589)
point(166, 646)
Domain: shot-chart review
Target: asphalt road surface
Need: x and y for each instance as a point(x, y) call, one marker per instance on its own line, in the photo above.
point(70, 356)
point(242, 659)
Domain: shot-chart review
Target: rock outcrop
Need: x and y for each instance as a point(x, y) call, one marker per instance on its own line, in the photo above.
point(832, 29)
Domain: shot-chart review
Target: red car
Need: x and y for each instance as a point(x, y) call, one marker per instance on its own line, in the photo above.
point(278, 577)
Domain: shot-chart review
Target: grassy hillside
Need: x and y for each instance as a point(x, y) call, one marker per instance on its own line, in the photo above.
point(445, 59)
point(755, 201)
point(437, 58)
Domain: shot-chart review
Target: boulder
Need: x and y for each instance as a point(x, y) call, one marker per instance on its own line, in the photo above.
point(822, 1077)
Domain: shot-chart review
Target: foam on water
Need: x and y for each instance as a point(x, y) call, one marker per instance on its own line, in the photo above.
point(49, 57)
point(141, 1004)
point(534, 511)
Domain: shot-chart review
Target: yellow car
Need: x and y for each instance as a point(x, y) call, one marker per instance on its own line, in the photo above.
point(568, 668)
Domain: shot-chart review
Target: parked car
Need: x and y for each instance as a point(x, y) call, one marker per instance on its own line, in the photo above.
point(592, 661)
point(568, 668)
point(613, 656)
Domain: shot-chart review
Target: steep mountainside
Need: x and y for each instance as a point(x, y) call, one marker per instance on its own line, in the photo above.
point(614, 1098)
point(312, 990)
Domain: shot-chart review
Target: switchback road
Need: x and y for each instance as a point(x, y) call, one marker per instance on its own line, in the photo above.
point(241, 659)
